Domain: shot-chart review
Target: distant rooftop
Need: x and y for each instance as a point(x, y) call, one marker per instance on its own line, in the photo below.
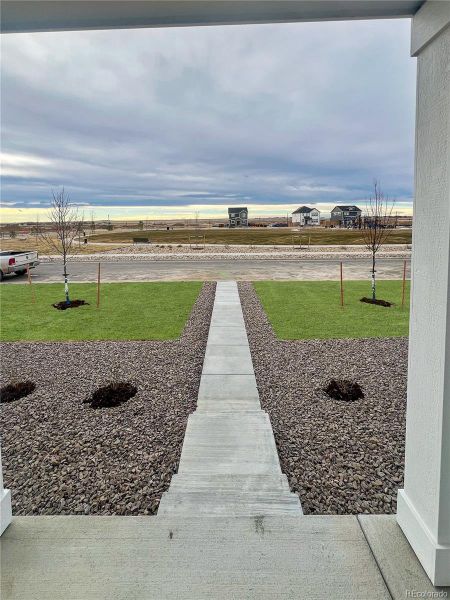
point(346, 207)
point(303, 209)
point(237, 209)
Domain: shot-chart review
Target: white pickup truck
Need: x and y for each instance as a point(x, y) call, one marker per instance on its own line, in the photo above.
point(17, 261)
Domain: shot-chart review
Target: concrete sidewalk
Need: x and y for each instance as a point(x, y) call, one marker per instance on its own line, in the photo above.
point(229, 463)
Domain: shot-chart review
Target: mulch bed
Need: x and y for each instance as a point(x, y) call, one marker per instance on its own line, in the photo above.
point(61, 457)
point(344, 390)
point(63, 305)
point(376, 301)
point(111, 395)
point(340, 457)
point(16, 391)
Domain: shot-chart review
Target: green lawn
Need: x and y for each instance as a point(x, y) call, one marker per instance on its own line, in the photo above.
point(311, 309)
point(128, 311)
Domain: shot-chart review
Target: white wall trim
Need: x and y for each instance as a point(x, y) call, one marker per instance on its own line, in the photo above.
point(432, 18)
point(435, 558)
point(5, 509)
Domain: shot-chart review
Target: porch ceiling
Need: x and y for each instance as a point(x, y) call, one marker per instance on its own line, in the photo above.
point(56, 15)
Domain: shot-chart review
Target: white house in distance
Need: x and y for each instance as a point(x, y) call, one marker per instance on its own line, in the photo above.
point(306, 216)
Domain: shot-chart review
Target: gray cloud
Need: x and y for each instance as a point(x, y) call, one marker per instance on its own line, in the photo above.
point(270, 114)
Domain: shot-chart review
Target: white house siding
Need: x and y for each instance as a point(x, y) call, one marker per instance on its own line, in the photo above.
point(313, 218)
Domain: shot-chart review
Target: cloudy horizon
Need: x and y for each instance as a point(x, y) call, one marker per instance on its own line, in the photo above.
point(167, 123)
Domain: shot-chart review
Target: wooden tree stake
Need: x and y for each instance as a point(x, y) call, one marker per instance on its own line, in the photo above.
point(342, 287)
point(33, 299)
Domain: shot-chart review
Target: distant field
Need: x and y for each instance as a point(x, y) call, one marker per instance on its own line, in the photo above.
point(42, 248)
point(262, 236)
point(311, 309)
point(128, 311)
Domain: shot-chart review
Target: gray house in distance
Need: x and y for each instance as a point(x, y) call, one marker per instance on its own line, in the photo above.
point(238, 216)
point(346, 215)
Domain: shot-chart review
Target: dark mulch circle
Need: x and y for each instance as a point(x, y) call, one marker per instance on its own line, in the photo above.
point(111, 395)
point(15, 391)
point(73, 304)
point(342, 389)
point(378, 302)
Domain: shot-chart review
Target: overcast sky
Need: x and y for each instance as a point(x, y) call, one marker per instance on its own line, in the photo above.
point(159, 122)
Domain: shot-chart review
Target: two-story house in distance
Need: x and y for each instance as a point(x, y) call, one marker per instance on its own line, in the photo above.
point(238, 216)
point(306, 216)
point(346, 215)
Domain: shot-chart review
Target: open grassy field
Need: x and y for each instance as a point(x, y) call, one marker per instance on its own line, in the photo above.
point(256, 236)
point(311, 309)
point(128, 311)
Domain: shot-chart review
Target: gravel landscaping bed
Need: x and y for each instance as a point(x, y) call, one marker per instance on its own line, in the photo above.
point(61, 456)
point(340, 457)
point(233, 249)
point(214, 251)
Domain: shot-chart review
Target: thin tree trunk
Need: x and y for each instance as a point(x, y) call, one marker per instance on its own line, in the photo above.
point(374, 295)
point(66, 283)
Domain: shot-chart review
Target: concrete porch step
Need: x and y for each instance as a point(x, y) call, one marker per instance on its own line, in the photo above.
point(243, 483)
point(256, 418)
point(225, 503)
point(228, 387)
point(231, 406)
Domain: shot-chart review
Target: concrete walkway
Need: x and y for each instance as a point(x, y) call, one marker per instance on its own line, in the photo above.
point(229, 463)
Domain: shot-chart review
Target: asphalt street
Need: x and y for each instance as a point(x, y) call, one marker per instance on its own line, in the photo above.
point(217, 269)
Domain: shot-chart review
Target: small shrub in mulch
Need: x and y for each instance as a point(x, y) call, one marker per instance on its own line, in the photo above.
point(111, 395)
point(15, 391)
point(378, 302)
point(342, 389)
point(72, 304)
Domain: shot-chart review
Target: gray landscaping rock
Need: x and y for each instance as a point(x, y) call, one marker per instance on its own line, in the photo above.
point(340, 457)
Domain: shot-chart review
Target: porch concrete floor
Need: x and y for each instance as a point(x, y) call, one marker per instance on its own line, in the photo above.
point(309, 557)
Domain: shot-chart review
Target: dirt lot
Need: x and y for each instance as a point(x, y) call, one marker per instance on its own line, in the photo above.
point(30, 243)
point(256, 236)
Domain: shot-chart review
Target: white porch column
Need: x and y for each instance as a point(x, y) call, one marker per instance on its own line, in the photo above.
point(423, 510)
point(5, 502)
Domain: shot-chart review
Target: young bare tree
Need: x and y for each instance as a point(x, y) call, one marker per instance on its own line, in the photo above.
point(377, 226)
point(66, 225)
